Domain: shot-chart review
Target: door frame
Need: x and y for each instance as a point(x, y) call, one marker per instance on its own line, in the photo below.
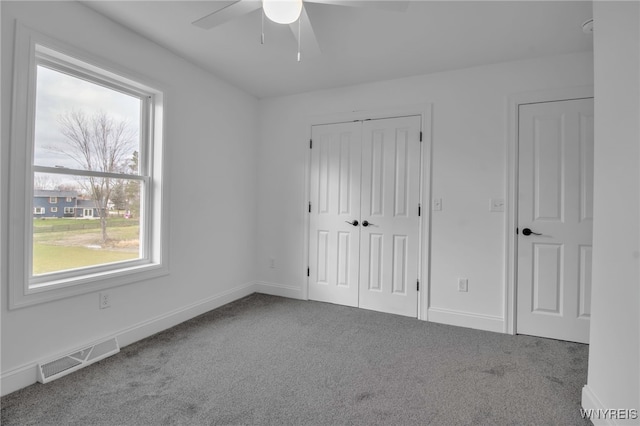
point(511, 242)
point(423, 110)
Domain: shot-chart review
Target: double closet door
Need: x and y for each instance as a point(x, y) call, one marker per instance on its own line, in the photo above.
point(364, 214)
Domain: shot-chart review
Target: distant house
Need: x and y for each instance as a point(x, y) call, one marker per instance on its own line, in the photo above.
point(53, 203)
point(60, 204)
point(86, 209)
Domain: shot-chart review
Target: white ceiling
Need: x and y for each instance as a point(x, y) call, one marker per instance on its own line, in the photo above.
point(358, 44)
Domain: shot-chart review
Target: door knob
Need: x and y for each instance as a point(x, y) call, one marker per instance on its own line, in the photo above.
point(354, 223)
point(527, 231)
point(366, 223)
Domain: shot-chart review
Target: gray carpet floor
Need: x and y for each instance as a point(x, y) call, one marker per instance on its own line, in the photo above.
point(275, 361)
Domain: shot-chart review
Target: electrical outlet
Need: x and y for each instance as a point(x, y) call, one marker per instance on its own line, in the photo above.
point(463, 284)
point(272, 262)
point(104, 300)
point(437, 204)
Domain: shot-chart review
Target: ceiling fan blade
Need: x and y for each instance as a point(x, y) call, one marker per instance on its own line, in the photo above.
point(392, 5)
point(231, 10)
point(307, 37)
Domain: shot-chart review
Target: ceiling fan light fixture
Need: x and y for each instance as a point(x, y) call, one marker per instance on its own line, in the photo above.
point(282, 11)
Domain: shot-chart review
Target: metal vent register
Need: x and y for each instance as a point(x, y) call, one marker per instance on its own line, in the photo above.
point(66, 364)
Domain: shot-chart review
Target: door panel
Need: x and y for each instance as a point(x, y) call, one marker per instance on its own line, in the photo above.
point(547, 278)
point(555, 200)
point(335, 199)
point(390, 197)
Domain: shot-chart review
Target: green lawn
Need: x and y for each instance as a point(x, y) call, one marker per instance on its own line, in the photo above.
point(70, 224)
point(62, 244)
point(50, 258)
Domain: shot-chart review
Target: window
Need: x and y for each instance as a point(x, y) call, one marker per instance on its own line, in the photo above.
point(90, 131)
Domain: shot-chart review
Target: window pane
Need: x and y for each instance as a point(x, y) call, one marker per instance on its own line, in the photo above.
point(99, 225)
point(82, 125)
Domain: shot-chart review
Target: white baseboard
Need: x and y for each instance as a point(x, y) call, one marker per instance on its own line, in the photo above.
point(18, 378)
point(175, 317)
point(466, 319)
point(591, 402)
point(278, 290)
point(26, 375)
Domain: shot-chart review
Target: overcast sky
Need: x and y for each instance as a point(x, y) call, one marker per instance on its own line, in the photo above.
point(58, 93)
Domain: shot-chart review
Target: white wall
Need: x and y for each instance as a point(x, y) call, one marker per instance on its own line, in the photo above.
point(211, 134)
point(614, 351)
point(468, 157)
point(211, 157)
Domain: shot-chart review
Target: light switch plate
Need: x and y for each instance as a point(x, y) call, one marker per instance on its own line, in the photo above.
point(497, 205)
point(437, 204)
point(463, 284)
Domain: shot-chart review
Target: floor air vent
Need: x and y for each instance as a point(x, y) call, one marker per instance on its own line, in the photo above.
point(64, 365)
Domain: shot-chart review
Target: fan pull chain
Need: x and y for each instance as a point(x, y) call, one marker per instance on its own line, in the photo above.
point(299, 36)
point(262, 35)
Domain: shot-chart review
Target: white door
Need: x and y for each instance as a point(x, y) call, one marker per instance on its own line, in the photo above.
point(389, 240)
point(364, 224)
point(555, 215)
point(335, 205)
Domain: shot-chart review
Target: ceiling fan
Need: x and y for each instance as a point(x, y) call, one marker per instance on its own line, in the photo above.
point(289, 12)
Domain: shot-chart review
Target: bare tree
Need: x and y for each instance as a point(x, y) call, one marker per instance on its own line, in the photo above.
point(97, 143)
point(41, 181)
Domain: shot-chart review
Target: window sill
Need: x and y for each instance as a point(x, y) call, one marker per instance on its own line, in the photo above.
point(89, 283)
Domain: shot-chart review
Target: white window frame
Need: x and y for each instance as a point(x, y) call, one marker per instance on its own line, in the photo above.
point(68, 199)
point(54, 209)
point(31, 49)
point(69, 210)
point(53, 200)
point(38, 210)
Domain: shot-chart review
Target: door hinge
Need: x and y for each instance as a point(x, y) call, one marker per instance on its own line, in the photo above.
point(419, 209)
point(418, 285)
point(421, 136)
point(310, 143)
point(309, 206)
point(308, 271)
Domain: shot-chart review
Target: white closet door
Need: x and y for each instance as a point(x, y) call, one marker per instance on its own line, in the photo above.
point(335, 204)
point(389, 239)
point(555, 219)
